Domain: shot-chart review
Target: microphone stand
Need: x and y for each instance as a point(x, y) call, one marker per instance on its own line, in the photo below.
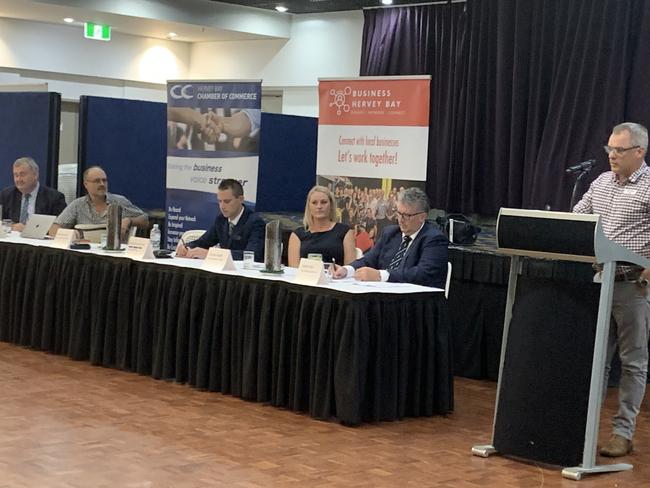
point(582, 174)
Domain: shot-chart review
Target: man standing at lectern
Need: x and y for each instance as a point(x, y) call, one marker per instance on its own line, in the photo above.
point(622, 198)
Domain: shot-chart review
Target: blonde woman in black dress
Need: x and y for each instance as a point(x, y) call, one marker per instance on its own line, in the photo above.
point(320, 232)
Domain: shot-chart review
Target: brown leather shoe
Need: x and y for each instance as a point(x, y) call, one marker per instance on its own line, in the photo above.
point(617, 446)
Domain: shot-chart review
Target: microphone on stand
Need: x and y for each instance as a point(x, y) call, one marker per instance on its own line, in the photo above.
point(584, 166)
point(581, 168)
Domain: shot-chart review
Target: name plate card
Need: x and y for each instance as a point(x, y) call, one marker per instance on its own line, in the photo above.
point(64, 238)
point(311, 272)
point(218, 260)
point(139, 248)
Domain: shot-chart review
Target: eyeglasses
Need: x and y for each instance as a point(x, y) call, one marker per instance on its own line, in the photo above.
point(97, 181)
point(618, 150)
point(407, 216)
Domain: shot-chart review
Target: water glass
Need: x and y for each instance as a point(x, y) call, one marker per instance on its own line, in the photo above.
point(6, 225)
point(102, 240)
point(329, 268)
point(249, 259)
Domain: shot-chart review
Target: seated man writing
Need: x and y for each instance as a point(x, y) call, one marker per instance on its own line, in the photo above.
point(414, 251)
point(237, 228)
point(92, 209)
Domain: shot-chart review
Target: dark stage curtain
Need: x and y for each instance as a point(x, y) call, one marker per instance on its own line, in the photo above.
point(520, 90)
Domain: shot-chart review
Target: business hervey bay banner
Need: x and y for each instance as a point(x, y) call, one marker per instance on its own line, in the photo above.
point(213, 130)
point(373, 136)
point(373, 127)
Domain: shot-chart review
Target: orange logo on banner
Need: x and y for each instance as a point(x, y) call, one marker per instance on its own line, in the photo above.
point(403, 102)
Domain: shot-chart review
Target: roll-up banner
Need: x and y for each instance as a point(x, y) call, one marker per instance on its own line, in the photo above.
point(373, 136)
point(213, 130)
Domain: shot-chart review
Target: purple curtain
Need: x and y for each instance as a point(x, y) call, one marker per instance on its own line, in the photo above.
point(520, 90)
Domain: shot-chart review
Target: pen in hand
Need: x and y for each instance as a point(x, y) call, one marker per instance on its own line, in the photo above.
point(333, 271)
point(182, 252)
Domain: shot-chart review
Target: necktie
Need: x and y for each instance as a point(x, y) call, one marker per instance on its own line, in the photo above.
point(399, 255)
point(24, 208)
point(231, 226)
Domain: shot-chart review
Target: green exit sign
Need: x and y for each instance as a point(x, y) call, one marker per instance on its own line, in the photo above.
point(99, 32)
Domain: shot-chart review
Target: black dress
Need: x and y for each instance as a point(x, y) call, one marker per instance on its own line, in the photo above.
point(328, 243)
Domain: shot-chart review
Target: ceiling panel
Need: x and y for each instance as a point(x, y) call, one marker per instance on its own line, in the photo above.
point(315, 6)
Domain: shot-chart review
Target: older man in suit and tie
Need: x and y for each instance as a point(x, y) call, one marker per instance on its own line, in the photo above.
point(237, 228)
point(414, 251)
point(28, 196)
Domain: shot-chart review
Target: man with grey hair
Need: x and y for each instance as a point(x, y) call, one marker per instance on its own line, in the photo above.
point(414, 251)
point(622, 198)
point(28, 197)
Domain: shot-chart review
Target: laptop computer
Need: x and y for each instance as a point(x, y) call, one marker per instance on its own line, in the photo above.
point(37, 226)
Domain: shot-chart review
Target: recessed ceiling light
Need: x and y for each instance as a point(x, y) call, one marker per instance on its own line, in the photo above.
point(387, 2)
point(281, 8)
point(68, 20)
point(172, 35)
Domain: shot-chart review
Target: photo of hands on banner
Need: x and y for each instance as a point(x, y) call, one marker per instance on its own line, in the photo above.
point(218, 129)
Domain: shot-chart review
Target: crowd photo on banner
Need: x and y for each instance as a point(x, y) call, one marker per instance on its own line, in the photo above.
point(367, 205)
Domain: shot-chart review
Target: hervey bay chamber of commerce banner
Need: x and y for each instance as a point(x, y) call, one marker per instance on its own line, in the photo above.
point(213, 130)
point(373, 132)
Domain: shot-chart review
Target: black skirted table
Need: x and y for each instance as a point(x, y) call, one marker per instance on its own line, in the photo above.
point(356, 357)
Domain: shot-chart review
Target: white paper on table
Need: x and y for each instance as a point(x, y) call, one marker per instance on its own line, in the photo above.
point(139, 248)
point(311, 272)
point(218, 260)
point(63, 238)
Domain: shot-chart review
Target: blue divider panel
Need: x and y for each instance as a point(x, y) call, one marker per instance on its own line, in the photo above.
point(287, 162)
point(30, 128)
point(128, 139)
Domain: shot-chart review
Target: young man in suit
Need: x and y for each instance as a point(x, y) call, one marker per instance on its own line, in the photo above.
point(28, 196)
point(237, 228)
point(414, 251)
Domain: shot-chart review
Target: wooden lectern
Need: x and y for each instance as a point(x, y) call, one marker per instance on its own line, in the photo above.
point(554, 342)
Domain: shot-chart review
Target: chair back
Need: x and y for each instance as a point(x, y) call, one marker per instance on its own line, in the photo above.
point(192, 235)
point(91, 232)
point(448, 280)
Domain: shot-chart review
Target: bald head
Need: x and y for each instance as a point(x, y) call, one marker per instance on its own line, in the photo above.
point(95, 182)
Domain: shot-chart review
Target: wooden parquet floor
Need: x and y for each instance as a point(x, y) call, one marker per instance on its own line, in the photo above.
point(69, 424)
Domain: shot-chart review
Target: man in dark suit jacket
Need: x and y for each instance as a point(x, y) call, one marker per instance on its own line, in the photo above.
point(41, 199)
point(237, 228)
point(414, 251)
